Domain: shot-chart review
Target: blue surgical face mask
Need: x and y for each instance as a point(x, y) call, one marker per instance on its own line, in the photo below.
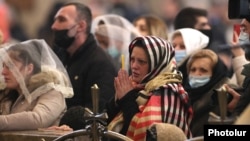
point(113, 52)
point(180, 55)
point(243, 38)
point(198, 81)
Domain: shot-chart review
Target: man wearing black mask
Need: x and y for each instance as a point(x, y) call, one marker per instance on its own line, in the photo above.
point(196, 18)
point(86, 63)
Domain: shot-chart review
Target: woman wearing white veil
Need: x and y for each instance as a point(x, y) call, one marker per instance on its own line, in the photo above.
point(36, 85)
point(114, 33)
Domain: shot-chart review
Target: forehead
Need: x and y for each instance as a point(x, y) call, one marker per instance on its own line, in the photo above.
point(67, 12)
point(140, 21)
point(245, 23)
point(139, 51)
point(202, 19)
point(177, 36)
point(177, 39)
point(202, 62)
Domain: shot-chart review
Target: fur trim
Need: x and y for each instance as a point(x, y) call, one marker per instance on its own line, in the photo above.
point(48, 75)
point(169, 132)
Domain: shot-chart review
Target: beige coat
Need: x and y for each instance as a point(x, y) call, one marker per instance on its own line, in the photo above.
point(45, 109)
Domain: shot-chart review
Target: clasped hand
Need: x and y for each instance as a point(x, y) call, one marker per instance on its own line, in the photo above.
point(122, 84)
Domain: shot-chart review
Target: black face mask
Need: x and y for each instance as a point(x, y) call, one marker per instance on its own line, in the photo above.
point(61, 39)
point(207, 32)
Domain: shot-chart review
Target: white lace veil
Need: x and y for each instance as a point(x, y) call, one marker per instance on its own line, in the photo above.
point(117, 29)
point(48, 73)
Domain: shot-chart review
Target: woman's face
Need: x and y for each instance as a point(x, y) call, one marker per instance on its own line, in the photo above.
point(10, 79)
point(141, 26)
point(139, 64)
point(178, 43)
point(201, 67)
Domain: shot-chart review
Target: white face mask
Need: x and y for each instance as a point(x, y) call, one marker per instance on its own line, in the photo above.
point(198, 81)
point(243, 38)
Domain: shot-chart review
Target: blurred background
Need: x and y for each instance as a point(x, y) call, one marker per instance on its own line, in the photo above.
point(26, 19)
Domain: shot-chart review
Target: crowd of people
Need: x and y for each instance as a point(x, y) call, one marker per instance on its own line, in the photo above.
point(161, 81)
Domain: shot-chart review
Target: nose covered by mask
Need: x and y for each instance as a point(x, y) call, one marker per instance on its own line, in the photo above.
point(198, 81)
point(62, 39)
point(243, 38)
point(113, 52)
point(180, 55)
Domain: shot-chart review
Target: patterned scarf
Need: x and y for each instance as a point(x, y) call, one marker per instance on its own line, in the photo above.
point(166, 104)
point(163, 99)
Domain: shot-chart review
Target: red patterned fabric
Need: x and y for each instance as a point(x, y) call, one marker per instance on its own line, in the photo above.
point(176, 111)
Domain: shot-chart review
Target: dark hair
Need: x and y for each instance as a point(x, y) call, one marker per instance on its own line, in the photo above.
point(23, 53)
point(187, 17)
point(141, 44)
point(84, 13)
point(74, 118)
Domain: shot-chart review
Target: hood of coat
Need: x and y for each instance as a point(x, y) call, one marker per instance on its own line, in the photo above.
point(47, 80)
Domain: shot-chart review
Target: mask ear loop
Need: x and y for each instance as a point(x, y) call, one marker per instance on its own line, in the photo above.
point(69, 30)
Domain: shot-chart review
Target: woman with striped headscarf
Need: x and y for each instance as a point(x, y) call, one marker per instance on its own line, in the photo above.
point(151, 93)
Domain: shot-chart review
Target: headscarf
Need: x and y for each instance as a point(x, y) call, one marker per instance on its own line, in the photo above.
point(119, 31)
point(162, 75)
point(161, 62)
point(48, 73)
point(193, 39)
point(161, 56)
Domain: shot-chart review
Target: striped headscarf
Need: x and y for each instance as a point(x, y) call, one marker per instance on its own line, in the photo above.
point(162, 75)
point(161, 55)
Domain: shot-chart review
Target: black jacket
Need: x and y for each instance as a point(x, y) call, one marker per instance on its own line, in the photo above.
point(89, 65)
point(127, 105)
point(245, 97)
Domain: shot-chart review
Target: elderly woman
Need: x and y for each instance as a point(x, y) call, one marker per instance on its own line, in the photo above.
point(185, 42)
point(206, 73)
point(152, 93)
point(36, 85)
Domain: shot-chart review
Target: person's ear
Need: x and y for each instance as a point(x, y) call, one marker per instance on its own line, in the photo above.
point(30, 68)
point(82, 26)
